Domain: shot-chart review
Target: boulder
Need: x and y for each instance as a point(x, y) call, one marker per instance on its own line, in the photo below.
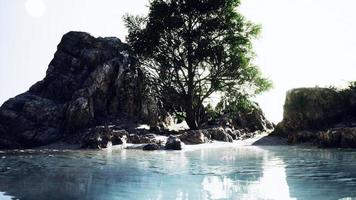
point(30, 120)
point(103, 137)
point(142, 136)
point(138, 139)
point(151, 147)
point(218, 134)
point(194, 137)
point(174, 143)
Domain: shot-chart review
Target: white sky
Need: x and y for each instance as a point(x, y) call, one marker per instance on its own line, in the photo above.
point(303, 43)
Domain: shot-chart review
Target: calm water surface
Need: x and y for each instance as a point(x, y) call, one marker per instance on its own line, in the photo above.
point(244, 172)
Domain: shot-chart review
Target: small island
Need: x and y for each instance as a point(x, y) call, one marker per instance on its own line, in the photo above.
point(96, 94)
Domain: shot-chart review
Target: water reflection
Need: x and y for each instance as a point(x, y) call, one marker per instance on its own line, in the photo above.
point(219, 173)
point(320, 173)
point(272, 184)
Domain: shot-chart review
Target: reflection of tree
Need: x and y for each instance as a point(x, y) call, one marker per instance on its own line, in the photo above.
point(226, 172)
point(129, 174)
point(260, 176)
point(65, 176)
point(237, 173)
point(319, 173)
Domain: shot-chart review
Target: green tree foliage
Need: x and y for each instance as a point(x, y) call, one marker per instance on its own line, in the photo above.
point(196, 48)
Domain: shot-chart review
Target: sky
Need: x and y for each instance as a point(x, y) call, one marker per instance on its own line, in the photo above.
point(304, 43)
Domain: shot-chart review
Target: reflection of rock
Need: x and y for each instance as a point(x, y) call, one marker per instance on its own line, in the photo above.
point(224, 173)
point(133, 173)
point(318, 173)
point(174, 143)
point(90, 81)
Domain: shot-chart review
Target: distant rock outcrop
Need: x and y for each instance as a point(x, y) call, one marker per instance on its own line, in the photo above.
point(250, 119)
point(321, 116)
point(90, 81)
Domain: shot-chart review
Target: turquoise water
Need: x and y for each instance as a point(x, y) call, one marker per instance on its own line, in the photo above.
point(244, 172)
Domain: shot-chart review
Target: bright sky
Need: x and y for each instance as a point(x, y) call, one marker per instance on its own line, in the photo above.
point(303, 43)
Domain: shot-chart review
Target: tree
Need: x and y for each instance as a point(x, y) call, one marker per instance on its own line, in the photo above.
point(195, 48)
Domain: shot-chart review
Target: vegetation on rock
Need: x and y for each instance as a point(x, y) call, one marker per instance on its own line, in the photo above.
point(323, 116)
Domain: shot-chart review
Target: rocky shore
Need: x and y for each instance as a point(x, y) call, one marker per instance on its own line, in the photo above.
point(324, 117)
point(95, 95)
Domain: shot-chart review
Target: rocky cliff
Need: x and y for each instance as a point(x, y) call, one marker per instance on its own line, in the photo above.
point(90, 81)
point(322, 116)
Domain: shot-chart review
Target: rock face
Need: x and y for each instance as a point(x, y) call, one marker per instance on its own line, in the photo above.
point(308, 108)
point(321, 116)
point(338, 137)
point(90, 81)
point(251, 120)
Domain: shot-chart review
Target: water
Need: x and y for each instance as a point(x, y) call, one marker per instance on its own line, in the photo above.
point(244, 172)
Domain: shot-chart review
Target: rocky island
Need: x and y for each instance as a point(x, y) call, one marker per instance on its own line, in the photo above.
point(95, 94)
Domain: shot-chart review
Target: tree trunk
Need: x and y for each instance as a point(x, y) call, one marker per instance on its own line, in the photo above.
point(191, 119)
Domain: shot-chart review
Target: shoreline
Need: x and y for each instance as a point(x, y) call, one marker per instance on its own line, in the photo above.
point(263, 139)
